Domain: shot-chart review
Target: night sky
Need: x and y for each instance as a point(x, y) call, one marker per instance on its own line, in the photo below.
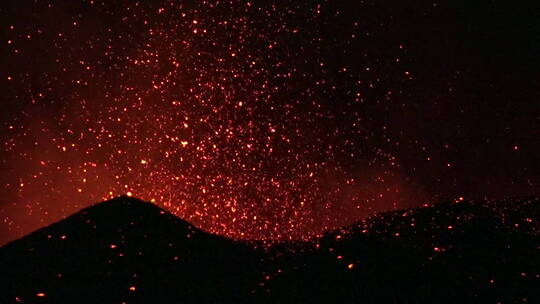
point(265, 119)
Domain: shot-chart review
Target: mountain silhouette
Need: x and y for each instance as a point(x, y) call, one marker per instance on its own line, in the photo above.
point(464, 252)
point(120, 251)
point(129, 251)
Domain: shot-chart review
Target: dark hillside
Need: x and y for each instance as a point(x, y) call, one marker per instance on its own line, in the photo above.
point(128, 251)
point(123, 250)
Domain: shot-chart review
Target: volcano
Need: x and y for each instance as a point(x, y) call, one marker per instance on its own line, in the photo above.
point(129, 251)
point(121, 250)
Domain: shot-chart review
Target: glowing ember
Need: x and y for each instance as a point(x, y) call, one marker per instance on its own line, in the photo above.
point(271, 120)
point(213, 118)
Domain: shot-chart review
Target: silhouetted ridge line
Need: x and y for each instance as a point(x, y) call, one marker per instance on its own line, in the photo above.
point(129, 251)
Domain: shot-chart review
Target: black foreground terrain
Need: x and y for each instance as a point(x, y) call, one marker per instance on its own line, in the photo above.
point(128, 251)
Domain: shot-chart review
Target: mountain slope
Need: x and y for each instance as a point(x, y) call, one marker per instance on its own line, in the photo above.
point(123, 250)
point(463, 252)
point(127, 251)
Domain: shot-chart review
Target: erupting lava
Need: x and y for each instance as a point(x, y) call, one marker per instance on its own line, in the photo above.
point(251, 120)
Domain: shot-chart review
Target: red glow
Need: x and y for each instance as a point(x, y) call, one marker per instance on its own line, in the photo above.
point(196, 120)
point(252, 121)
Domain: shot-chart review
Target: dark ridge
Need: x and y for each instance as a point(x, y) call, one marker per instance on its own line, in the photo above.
point(101, 252)
point(128, 251)
point(106, 213)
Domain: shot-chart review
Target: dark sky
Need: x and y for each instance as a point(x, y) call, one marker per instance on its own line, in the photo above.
point(265, 119)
